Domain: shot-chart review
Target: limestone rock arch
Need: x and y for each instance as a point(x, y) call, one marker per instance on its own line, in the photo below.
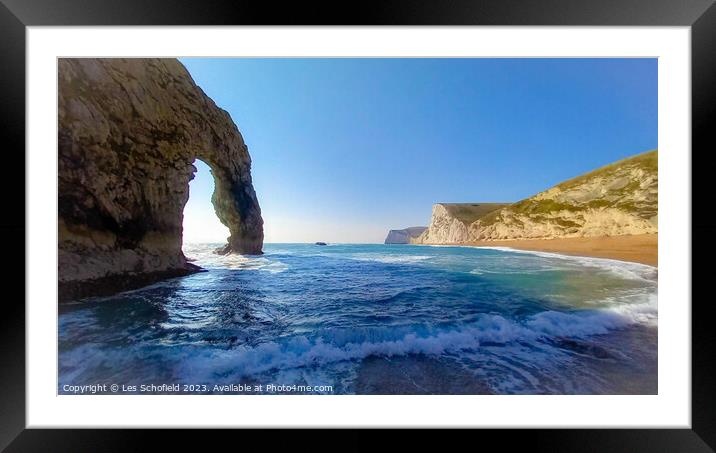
point(129, 131)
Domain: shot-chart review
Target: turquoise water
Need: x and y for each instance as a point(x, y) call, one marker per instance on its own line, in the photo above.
point(385, 319)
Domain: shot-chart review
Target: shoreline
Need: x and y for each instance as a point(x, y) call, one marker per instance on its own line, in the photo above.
point(641, 248)
point(75, 290)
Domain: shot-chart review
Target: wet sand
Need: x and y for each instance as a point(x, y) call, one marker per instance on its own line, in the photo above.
point(642, 248)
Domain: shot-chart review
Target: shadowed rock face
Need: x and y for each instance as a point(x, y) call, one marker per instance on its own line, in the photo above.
point(129, 132)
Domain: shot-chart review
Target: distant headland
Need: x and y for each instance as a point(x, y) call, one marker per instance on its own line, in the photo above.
point(615, 201)
point(405, 235)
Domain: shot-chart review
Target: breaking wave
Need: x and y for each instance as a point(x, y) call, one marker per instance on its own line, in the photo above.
point(518, 321)
point(356, 344)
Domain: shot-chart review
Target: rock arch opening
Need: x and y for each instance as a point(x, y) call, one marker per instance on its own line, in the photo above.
point(200, 224)
point(233, 198)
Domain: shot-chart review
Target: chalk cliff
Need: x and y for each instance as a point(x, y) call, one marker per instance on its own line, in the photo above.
point(404, 236)
point(618, 199)
point(129, 132)
point(450, 222)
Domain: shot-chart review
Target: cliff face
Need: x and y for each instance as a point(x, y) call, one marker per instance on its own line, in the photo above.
point(404, 236)
point(618, 199)
point(450, 222)
point(129, 131)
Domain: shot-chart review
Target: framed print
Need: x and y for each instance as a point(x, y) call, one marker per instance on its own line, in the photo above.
point(478, 215)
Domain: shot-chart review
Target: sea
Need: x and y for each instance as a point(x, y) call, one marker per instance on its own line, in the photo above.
point(371, 319)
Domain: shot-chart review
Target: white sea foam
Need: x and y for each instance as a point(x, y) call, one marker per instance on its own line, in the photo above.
point(204, 256)
point(642, 312)
point(624, 269)
point(516, 271)
point(355, 344)
point(390, 258)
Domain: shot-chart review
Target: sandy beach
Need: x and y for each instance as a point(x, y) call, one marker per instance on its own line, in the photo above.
point(638, 248)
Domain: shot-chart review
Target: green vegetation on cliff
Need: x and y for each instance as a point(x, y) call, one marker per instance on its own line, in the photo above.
point(630, 185)
point(469, 212)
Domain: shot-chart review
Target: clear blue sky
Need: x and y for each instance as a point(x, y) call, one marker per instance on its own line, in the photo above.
point(345, 149)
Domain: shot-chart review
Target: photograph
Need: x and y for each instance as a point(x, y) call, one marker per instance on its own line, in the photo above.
point(357, 226)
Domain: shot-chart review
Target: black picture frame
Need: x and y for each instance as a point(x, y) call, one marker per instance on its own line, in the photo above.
point(16, 15)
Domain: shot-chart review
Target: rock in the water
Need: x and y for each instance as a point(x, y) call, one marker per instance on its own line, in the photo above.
point(129, 132)
point(403, 236)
